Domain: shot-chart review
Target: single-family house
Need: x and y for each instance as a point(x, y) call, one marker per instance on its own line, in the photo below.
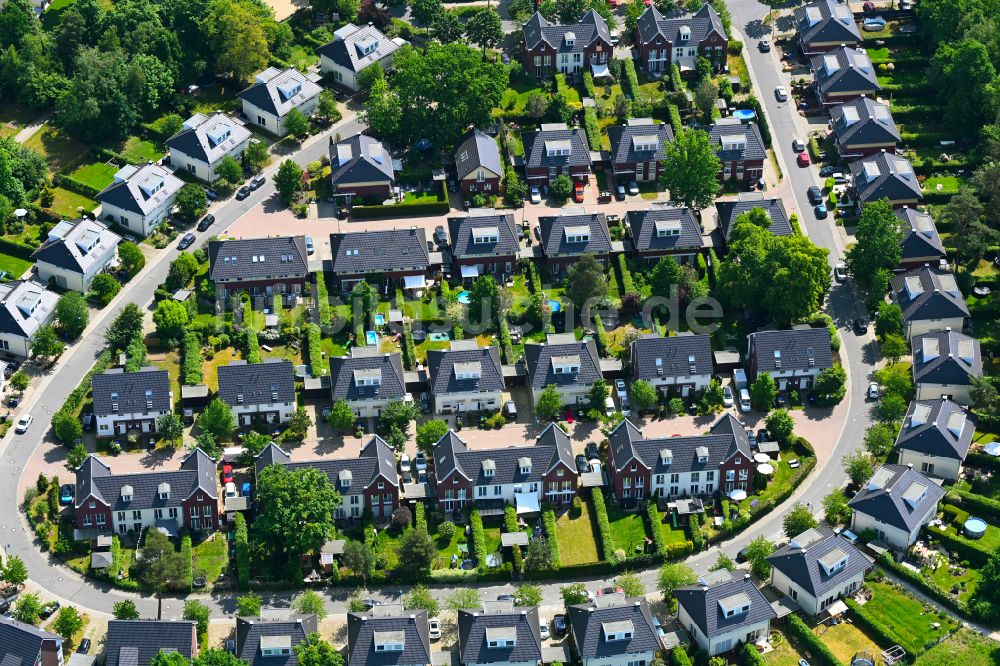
point(793, 358)
point(895, 503)
point(478, 165)
point(885, 175)
point(638, 148)
point(723, 611)
point(521, 476)
point(484, 241)
point(862, 126)
point(555, 150)
point(945, 365)
point(935, 437)
point(740, 148)
point(355, 49)
point(818, 567)
point(25, 306)
point(368, 380)
point(673, 467)
point(613, 630)
point(729, 211)
point(186, 498)
point(205, 139)
point(271, 642)
point(259, 266)
point(930, 300)
point(499, 633)
point(26, 644)
point(823, 25)
point(568, 236)
point(921, 241)
point(661, 41)
point(388, 635)
point(137, 642)
point(367, 481)
point(570, 49)
point(259, 392)
point(679, 365)
point(665, 231)
point(842, 74)
point(75, 252)
point(570, 365)
point(465, 378)
point(125, 401)
point(140, 198)
point(384, 258)
point(274, 94)
point(362, 166)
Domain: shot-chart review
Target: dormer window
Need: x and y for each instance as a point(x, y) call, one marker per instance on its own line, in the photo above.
point(833, 562)
point(501, 637)
point(368, 377)
point(702, 453)
point(489, 468)
point(524, 463)
point(668, 228)
point(617, 631)
point(126, 493)
point(345, 477)
point(569, 38)
point(149, 398)
point(666, 456)
point(579, 234)
point(565, 365)
point(389, 641)
point(685, 32)
point(472, 370)
point(735, 604)
point(558, 148)
point(485, 235)
point(163, 491)
point(275, 646)
point(290, 89)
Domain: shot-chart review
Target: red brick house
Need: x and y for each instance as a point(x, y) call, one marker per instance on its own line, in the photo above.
point(569, 49)
point(662, 231)
point(477, 163)
point(740, 148)
point(362, 166)
point(553, 150)
point(568, 236)
point(259, 266)
point(484, 242)
point(638, 148)
point(661, 42)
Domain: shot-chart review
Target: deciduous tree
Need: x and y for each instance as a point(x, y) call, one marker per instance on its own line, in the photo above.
point(798, 519)
point(416, 553)
point(586, 281)
point(299, 517)
point(45, 344)
point(763, 392)
point(314, 651)
point(420, 598)
point(229, 170)
point(549, 404)
point(310, 603)
point(673, 576)
point(191, 202)
point(877, 243)
point(835, 508)
point(288, 181)
point(104, 287)
point(297, 125)
point(217, 420)
point(485, 28)
point(691, 169)
point(72, 314)
point(757, 552)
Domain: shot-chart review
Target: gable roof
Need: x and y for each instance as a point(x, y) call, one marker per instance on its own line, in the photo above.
point(196, 474)
point(242, 383)
point(473, 626)
point(136, 642)
point(723, 442)
point(117, 392)
point(897, 496)
point(360, 159)
point(463, 244)
point(443, 366)
point(826, 22)
point(273, 257)
point(735, 141)
point(554, 230)
point(802, 559)
point(20, 643)
point(367, 360)
point(627, 138)
point(209, 138)
point(863, 121)
point(774, 207)
point(270, 91)
point(885, 175)
point(663, 227)
point(590, 28)
point(409, 625)
point(535, 153)
point(844, 70)
point(587, 621)
point(25, 306)
point(506, 465)
point(375, 460)
point(655, 357)
point(141, 189)
point(539, 358)
point(355, 48)
point(946, 357)
point(477, 149)
point(701, 602)
point(381, 251)
point(795, 349)
point(701, 24)
point(251, 630)
point(76, 246)
point(926, 293)
point(938, 428)
point(920, 235)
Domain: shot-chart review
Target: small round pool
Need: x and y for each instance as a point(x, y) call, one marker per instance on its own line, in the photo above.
point(555, 305)
point(975, 528)
point(464, 297)
point(745, 115)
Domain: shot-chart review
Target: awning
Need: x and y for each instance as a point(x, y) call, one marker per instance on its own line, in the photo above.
point(600, 70)
point(737, 494)
point(526, 503)
point(838, 607)
point(470, 272)
point(414, 282)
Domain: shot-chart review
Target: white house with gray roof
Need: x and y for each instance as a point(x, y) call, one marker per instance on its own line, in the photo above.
point(723, 611)
point(570, 365)
point(354, 49)
point(26, 645)
point(895, 503)
point(274, 94)
point(75, 252)
point(137, 642)
point(465, 378)
point(885, 175)
point(205, 139)
point(368, 380)
point(388, 635)
point(258, 392)
point(794, 358)
point(679, 364)
point(25, 306)
point(263, 641)
point(945, 363)
point(125, 401)
point(729, 211)
point(140, 198)
point(499, 634)
point(930, 300)
point(935, 437)
point(613, 630)
point(817, 567)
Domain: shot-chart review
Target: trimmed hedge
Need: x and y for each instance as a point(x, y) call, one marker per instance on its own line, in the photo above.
point(625, 277)
point(592, 128)
point(814, 644)
point(966, 548)
point(882, 634)
point(750, 657)
point(191, 369)
point(694, 531)
point(323, 301)
point(187, 561)
point(754, 104)
point(630, 79)
point(409, 349)
point(534, 281)
point(927, 586)
point(15, 249)
point(75, 399)
point(982, 460)
point(675, 118)
point(588, 85)
point(478, 539)
point(602, 335)
point(676, 550)
point(315, 353)
point(74, 185)
point(420, 516)
point(510, 523)
point(252, 346)
point(242, 551)
point(506, 346)
point(549, 519)
point(603, 526)
point(676, 83)
point(977, 503)
point(654, 524)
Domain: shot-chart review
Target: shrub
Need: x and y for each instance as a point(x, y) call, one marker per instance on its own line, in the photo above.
point(602, 336)
point(252, 346)
point(680, 656)
point(409, 348)
point(603, 526)
point(191, 369)
point(588, 85)
point(630, 79)
point(323, 301)
point(478, 539)
point(967, 549)
point(678, 549)
point(676, 83)
point(420, 516)
point(506, 346)
point(735, 46)
point(694, 531)
point(549, 519)
point(510, 523)
point(978, 503)
point(625, 277)
point(749, 656)
point(315, 355)
point(814, 644)
point(592, 128)
point(242, 551)
point(187, 578)
point(675, 118)
point(655, 526)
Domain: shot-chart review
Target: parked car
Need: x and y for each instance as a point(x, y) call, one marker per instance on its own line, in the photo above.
point(48, 609)
point(257, 181)
point(420, 461)
point(633, 187)
point(762, 435)
point(425, 402)
point(370, 603)
point(559, 626)
point(310, 248)
point(66, 493)
point(534, 195)
point(440, 236)
point(803, 159)
point(227, 473)
point(615, 38)
point(543, 629)
point(744, 400)
point(24, 423)
point(434, 628)
point(873, 391)
point(751, 438)
point(186, 242)
point(815, 195)
point(840, 272)
point(592, 451)
point(230, 489)
point(798, 145)
point(88, 421)
point(404, 463)
point(827, 171)
point(243, 193)
point(839, 178)
point(727, 396)
point(764, 46)
point(781, 94)
point(510, 409)
point(620, 192)
point(211, 194)
point(821, 211)
point(578, 192)
point(860, 326)
point(505, 597)
point(873, 24)
point(620, 388)
point(609, 406)
point(206, 222)
point(581, 464)
point(84, 646)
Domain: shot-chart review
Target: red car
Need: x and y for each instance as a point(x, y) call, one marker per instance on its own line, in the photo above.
point(803, 159)
point(578, 192)
point(227, 473)
point(569, 416)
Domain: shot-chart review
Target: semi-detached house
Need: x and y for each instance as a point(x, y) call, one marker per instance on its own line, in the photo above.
point(484, 241)
point(946, 364)
point(723, 611)
point(793, 358)
point(140, 198)
point(613, 630)
point(638, 148)
point(499, 634)
point(75, 252)
point(664, 231)
point(125, 401)
point(27, 645)
point(384, 258)
point(368, 380)
point(138, 642)
point(271, 642)
point(862, 127)
point(896, 502)
point(388, 635)
point(567, 236)
point(478, 164)
point(569, 49)
point(465, 378)
point(824, 25)
point(843, 74)
point(661, 42)
point(679, 364)
point(259, 393)
point(921, 243)
point(355, 49)
point(274, 94)
point(569, 365)
point(556, 150)
point(885, 175)
point(935, 438)
point(729, 211)
point(259, 266)
point(740, 149)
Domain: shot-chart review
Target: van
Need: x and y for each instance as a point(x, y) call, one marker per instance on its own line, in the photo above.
point(739, 378)
point(744, 400)
point(609, 406)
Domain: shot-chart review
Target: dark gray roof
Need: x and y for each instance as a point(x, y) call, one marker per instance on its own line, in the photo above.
point(920, 235)
point(452, 454)
point(477, 149)
point(863, 121)
point(750, 148)
point(625, 139)
point(701, 24)
point(723, 442)
point(202, 137)
point(702, 603)
point(355, 48)
point(654, 356)
point(273, 257)
point(196, 474)
point(473, 625)
point(938, 428)
point(664, 228)
point(361, 631)
point(360, 159)
point(553, 229)
point(145, 638)
point(587, 622)
point(376, 459)
point(443, 364)
point(242, 383)
point(140, 189)
point(897, 496)
point(76, 246)
point(538, 357)
point(25, 306)
point(535, 154)
point(926, 293)
point(800, 560)
point(553, 435)
point(119, 392)
point(844, 70)
point(590, 28)
point(827, 22)
point(792, 350)
point(269, 90)
point(946, 357)
point(344, 368)
point(462, 244)
point(21, 643)
point(361, 252)
point(250, 630)
point(885, 176)
point(775, 208)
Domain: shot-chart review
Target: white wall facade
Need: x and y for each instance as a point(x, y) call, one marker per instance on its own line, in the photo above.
point(67, 279)
point(16, 345)
point(945, 468)
point(272, 123)
point(352, 506)
point(201, 169)
point(116, 424)
point(136, 223)
point(368, 408)
point(919, 327)
point(506, 491)
point(279, 412)
point(632, 659)
point(721, 642)
point(457, 403)
point(888, 534)
point(573, 394)
point(782, 378)
point(685, 384)
point(346, 77)
point(956, 392)
point(806, 600)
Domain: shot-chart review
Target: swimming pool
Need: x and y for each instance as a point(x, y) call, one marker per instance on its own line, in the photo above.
point(975, 528)
point(555, 305)
point(371, 338)
point(464, 297)
point(380, 320)
point(744, 115)
point(438, 337)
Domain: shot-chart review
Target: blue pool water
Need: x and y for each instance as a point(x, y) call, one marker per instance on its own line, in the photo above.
point(555, 305)
point(438, 337)
point(975, 528)
point(744, 114)
point(464, 297)
point(371, 338)
point(380, 320)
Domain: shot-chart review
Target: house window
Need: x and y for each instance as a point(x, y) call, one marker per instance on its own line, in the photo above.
point(87, 520)
point(100, 519)
point(480, 491)
point(497, 490)
point(261, 120)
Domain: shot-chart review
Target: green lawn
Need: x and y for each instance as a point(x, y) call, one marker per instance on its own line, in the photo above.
point(906, 615)
point(171, 362)
point(778, 483)
point(97, 174)
point(67, 204)
point(62, 152)
point(784, 653)
point(577, 544)
point(218, 97)
point(139, 150)
point(447, 548)
point(949, 184)
point(420, 197)
point(13, 266)
point(965, 647)
point(492, 535)
point(989, 541)
point(965, 583)
point(302, 58)
point(210, 557)
point(846, 640)
point(210, 367)
point(627, 529)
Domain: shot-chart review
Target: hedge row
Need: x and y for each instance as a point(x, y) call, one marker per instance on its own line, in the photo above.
point(655, 526)
point(694, 531)
point(510, 524)
point(795, 625)
point(191, 369)
point(966, 548)
point(588, 85)
point(753, 103)
point(625, 277)
point(323, 301)
point(252, 346)
point(982, 460)
point(420, 516)
point(977, 503)
point(409, 348)
point(676, 83)
point(116, 557)
point(750, 657)
point(929, 587)
point(75, 399)
point(74, 185)
point(675, 117)
point(629, 78)
point(680, 656)
point(15, 249)
point(478, 538)
point(400, 210)
point(603, 526)
point(187, 562)
point(506, 346)
point(549, 518)
point(592, 128)
point(534, 281)
point(602, 335)
point(882, 634)
point(242, 551)
point(315, 354)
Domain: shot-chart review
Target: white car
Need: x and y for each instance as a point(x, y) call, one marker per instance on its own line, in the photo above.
point(231, 489)
point(781, 94)
point(536, 195)
point(840, 272)
point(434, 628)
point(543, 628)
point(798, 146)
point(609, 406)
point(727, 396)
point(620, 388)
point(23, 424)
point(404, 463)
point(873, 391)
